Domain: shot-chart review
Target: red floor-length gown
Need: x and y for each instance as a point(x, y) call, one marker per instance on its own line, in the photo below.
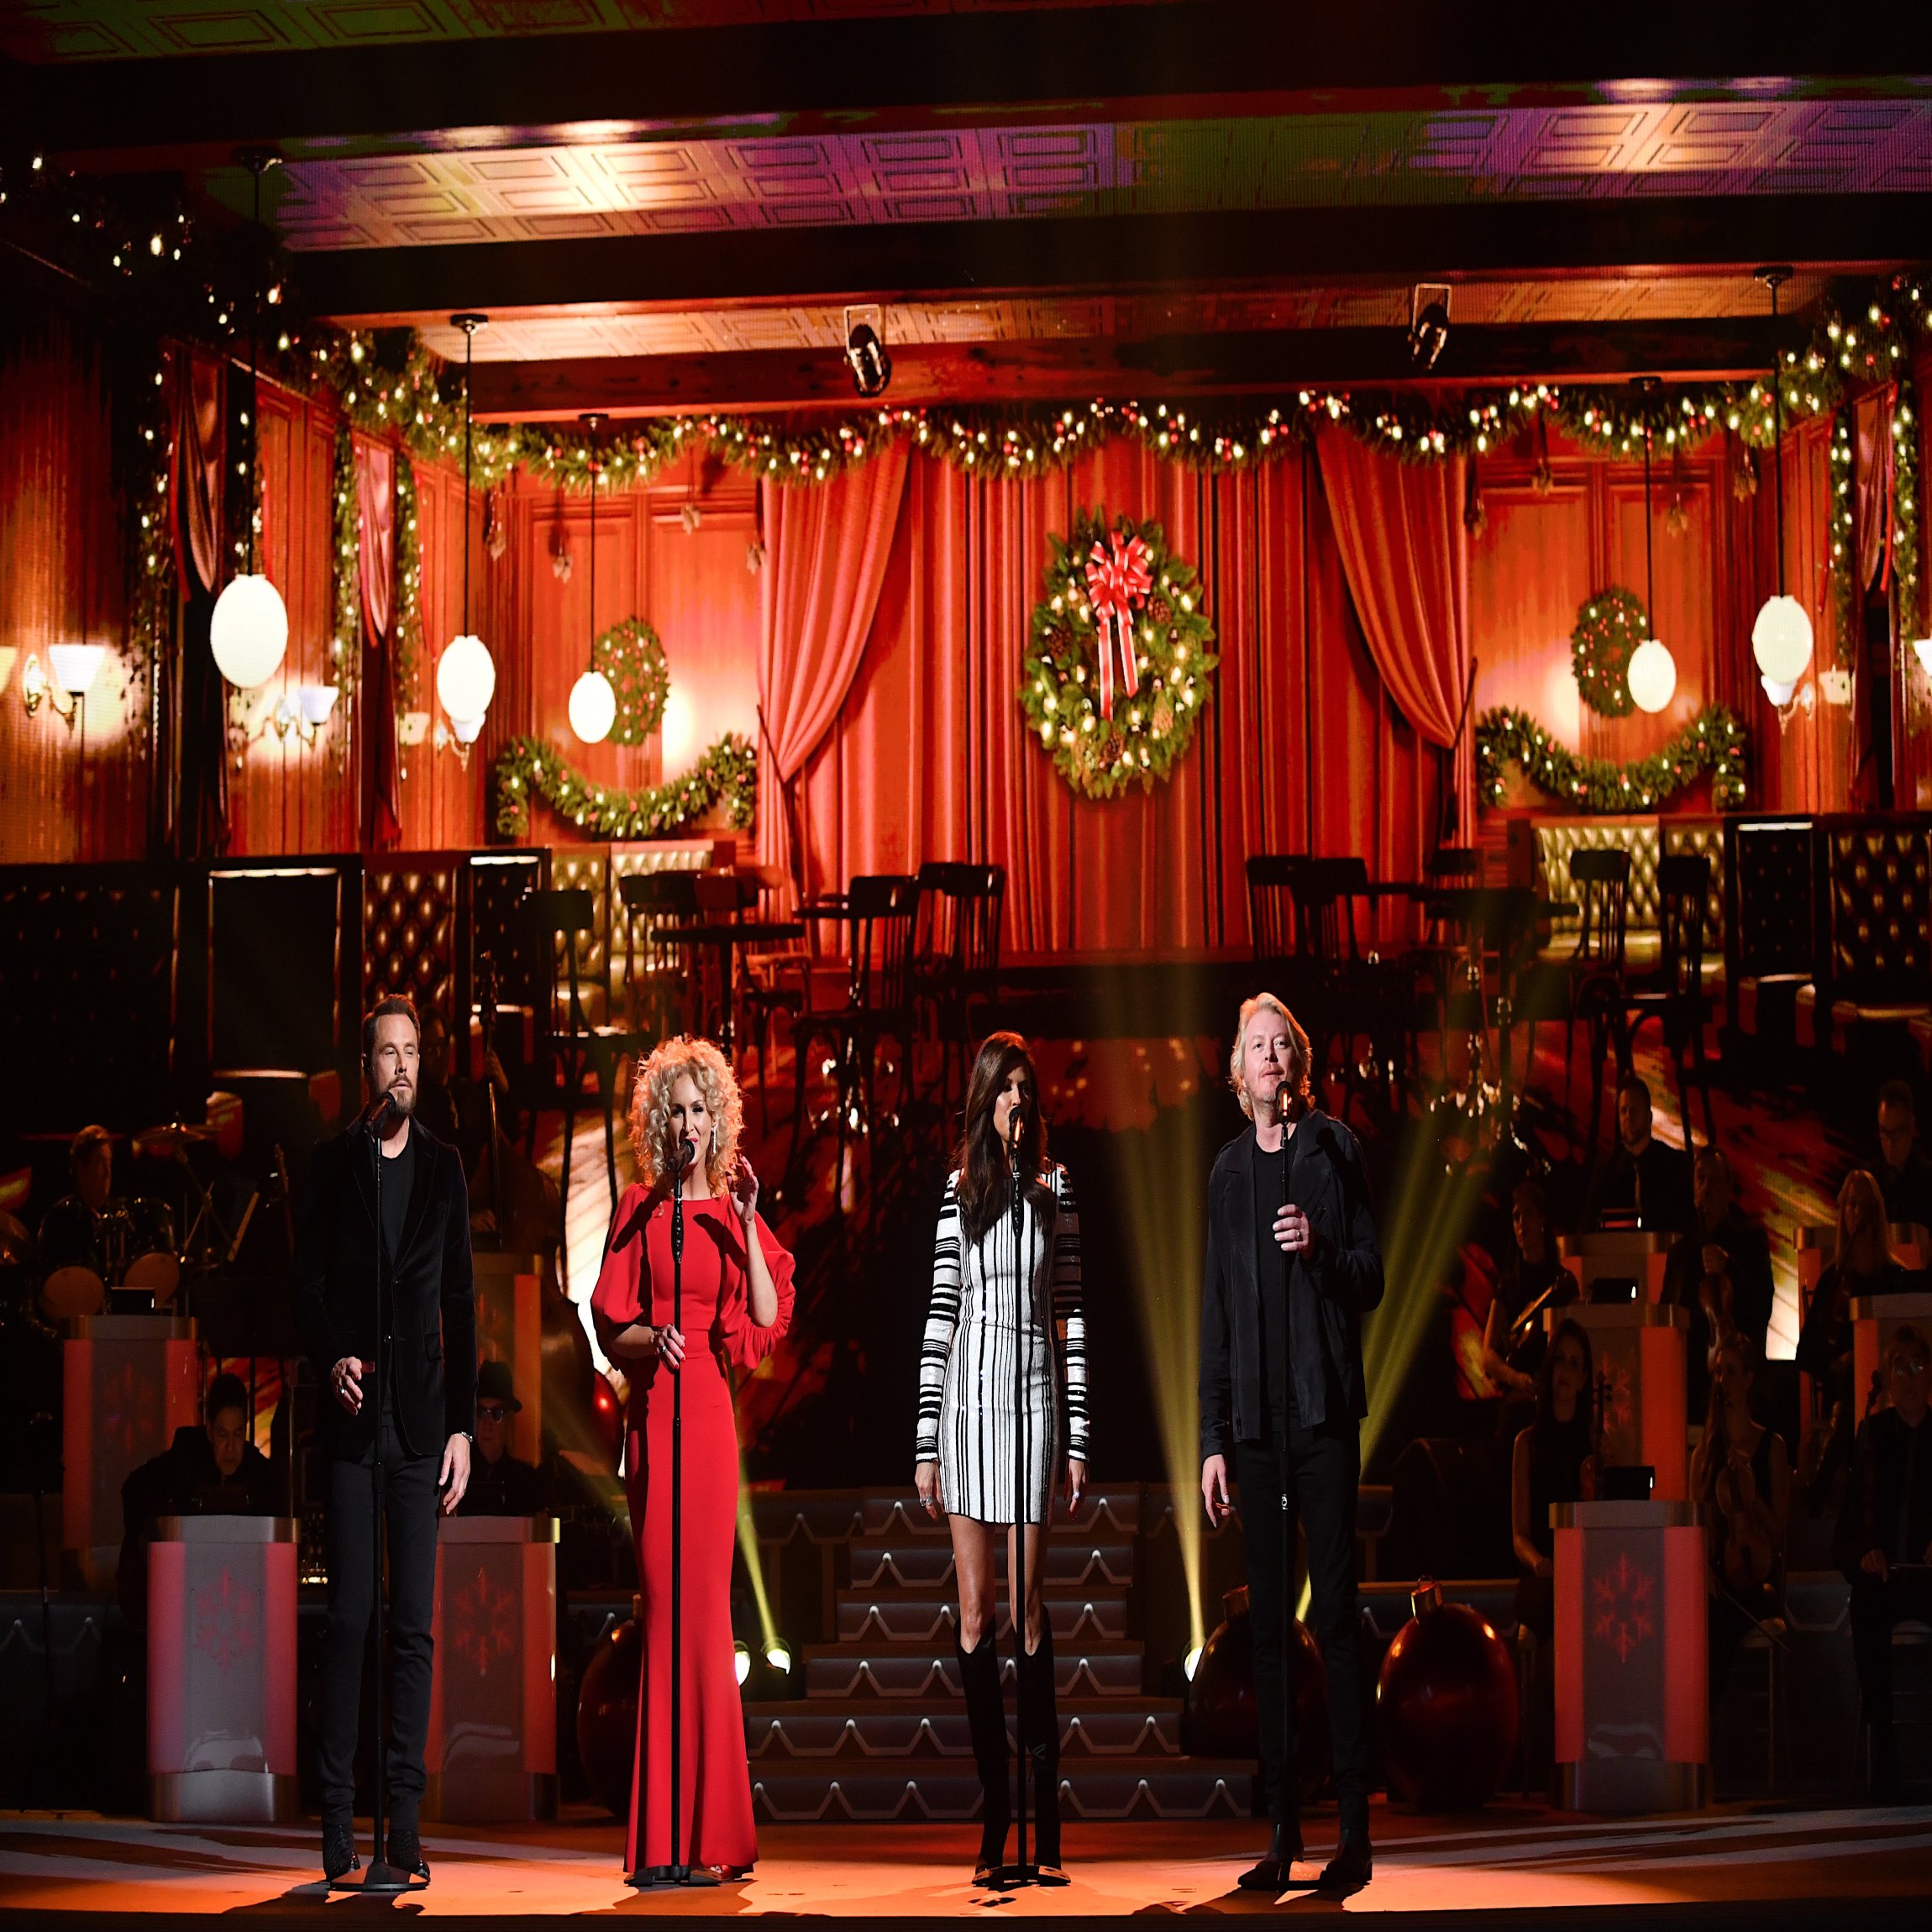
point(715, 1825)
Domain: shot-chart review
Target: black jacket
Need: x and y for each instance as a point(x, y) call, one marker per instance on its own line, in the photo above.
point(1888, 1457)
point(433, 1310)
point(1342, 1275)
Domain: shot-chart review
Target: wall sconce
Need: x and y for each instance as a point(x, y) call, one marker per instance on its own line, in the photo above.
point(305, 712)
point(75, 668)
point(1922, 646)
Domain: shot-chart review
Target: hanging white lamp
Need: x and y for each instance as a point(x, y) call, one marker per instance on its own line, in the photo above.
point(1652, 672)
point(467, 673)
point(1780, 639)
point(593, 703)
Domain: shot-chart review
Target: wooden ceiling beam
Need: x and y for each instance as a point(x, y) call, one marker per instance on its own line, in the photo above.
point(1291, 248)
point(1259, 362)
point(929, 69)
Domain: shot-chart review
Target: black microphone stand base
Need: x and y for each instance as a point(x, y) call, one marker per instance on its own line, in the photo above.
point(1010, 1877)
point(667, 1878)
point(379, 1878)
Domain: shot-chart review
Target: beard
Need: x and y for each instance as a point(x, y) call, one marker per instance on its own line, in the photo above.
point(404, 1096)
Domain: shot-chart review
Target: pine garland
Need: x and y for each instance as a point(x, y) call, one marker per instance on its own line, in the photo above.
point(1913, 618)
point(631, 656)
point(150, 542)
point(1842, 551)
point(1150, 730)
point(1608, 628)
point(529, 768)
point(1715, 741)
point(345, 635)
point(408, 584)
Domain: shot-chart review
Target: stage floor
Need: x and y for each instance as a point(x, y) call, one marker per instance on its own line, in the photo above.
point(1751, 1865)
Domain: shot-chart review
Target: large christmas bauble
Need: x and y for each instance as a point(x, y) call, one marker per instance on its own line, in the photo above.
point(608, 1716)
point(1221, 1719)
point(1446, 1707)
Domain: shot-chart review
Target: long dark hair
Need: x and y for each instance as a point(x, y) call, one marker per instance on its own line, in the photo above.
point(1545, 1429)
point(985, 1173)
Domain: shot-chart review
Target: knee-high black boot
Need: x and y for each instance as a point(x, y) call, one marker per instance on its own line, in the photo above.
point(986, 1724)
point(1042, 1744)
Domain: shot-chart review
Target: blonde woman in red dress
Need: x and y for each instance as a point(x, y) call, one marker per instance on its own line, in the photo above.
point(736, 1304)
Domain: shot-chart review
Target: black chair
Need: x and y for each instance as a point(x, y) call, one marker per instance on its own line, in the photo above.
point(1590, 991)
point(1673, 995)
point(880, 916)
point(657, 971)
point(570, 1046)
point(956, 954)
point(1271, 922)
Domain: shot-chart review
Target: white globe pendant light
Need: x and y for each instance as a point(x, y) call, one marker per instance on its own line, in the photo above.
point(593, 707)
point(249, 631)
point(1780, 639)
point(1653, 675)
point(467, 673)
point(593, 703)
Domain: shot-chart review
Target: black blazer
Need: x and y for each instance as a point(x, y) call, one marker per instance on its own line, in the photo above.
point(1343, 1271)
point(434, 1307)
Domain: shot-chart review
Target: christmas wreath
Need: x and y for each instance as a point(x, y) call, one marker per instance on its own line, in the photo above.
point(1118, 660)
point(630, 655)
point(529, 769)
point(1714, 741)
point(1610, 627)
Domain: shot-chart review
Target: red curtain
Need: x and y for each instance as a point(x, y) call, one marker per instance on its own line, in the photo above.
point(1300, 748)
point(825, 558)
point(376, 513)
point(1405, 549)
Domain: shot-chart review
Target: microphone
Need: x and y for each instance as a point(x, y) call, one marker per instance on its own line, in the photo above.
point(682, 1153)
point(381, 1111)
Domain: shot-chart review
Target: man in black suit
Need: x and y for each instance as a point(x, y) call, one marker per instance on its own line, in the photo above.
point(1643, 1176)
point(1903, 1172)
point(500, 1485)
point(1293, 1265)
point(419, 1443)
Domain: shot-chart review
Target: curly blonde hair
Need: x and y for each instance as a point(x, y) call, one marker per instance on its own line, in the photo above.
point(650, 1118)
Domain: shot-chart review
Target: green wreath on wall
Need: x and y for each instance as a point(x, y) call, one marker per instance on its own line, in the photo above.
point(1119, 660)
point(630, 655)
point(1610, 624)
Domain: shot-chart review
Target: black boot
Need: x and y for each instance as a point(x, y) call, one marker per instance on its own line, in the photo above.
point(986, 1722)
point(1042, 1744)
point(1351, 1868)
point(338, 1855)
point(1274, 1874)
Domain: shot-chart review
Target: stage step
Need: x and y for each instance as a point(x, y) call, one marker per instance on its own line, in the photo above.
point(1071, 1561)
point(831, 1732)
point(1186, 1787)
point(889, 1670)
point(930, 1617)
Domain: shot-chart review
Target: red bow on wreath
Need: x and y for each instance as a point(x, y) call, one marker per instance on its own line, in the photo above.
point(1118, 579)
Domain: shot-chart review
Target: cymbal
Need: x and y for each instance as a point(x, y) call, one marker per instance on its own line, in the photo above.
point(158, 1143)
point(16, 1244)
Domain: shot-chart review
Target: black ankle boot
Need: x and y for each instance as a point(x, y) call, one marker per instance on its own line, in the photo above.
point(1274, 1873)
point(1042, 1744)
point(986, 1723)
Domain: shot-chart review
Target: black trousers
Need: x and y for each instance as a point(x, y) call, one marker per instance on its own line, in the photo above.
point(1315, 1480)
point(410, 1509)
point(1875, 1607)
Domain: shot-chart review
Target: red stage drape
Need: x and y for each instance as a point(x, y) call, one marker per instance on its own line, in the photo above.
point(375, 509)
point(1300, 748)
point(826, 549)
point(1406, 552)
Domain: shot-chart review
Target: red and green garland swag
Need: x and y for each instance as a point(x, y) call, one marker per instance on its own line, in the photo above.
point(529, 768)
point(1119, 663)
point(1610, 627)
point(1714, 741)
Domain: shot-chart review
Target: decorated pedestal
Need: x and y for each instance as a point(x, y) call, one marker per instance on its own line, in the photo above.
point(1875, 1320)
point(510, 1328)
point(1637, 1356)
point(128, 1382)
point(1632, 1721)
point(1618, 1254)
point(221, 1670)
point(492, 1753)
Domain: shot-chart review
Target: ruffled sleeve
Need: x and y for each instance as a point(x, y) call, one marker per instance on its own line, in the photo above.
point(746, 1343)
point(620, 1295)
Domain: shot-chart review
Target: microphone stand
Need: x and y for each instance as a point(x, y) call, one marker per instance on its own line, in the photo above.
point(381, 1876)
point(679, 1871)
point(1023, 1870)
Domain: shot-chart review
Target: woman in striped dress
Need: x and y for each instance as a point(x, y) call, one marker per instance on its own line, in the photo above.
point(982, 1330)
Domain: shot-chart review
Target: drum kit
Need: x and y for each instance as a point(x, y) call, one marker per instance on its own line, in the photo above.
point(142, 1263)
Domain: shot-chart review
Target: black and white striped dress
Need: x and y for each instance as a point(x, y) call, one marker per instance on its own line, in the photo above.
point(973, 1343)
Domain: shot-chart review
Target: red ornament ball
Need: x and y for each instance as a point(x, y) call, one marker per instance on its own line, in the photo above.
point(1446, 1707)
point(608, 1716)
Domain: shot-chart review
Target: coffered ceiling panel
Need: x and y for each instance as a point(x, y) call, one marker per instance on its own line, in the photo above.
point(536, 193)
